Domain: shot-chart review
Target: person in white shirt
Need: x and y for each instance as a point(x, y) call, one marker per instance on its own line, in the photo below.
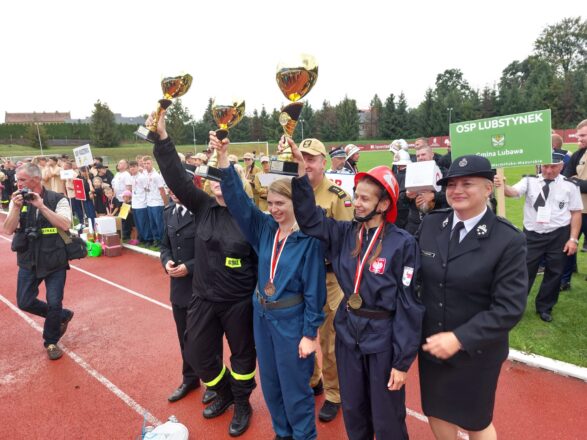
point(139, 183)
point(552, 220)
point(156, 199)
point(122, 180)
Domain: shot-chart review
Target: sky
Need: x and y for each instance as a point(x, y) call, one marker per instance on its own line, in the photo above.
point(64, 55)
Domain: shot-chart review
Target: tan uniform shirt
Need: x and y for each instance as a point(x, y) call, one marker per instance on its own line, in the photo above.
point(250, 173)
point(52, 179)
point(260, 193)
point(338, 205)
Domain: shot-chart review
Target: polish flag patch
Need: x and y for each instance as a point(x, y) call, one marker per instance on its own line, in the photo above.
point(378, 266)
point(348, 203)
point(408, 275)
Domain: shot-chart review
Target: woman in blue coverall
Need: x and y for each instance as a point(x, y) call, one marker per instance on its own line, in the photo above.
point(288, 303)
point(379, 322)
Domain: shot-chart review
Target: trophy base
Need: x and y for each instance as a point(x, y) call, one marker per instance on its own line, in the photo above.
point(147, 135)
point(221, 133)
point(210, 173)
point(284, 168)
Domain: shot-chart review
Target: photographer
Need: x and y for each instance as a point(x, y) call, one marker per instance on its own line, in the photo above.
point(35, 215)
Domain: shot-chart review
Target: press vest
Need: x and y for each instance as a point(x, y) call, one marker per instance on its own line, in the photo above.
point(46, 253)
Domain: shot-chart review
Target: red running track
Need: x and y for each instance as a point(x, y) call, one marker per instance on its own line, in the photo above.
point(123, 361)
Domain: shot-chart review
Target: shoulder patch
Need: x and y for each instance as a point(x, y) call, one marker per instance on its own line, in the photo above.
point(530, 175)
point(341, 193)
point(573, 181)
point(505, 221)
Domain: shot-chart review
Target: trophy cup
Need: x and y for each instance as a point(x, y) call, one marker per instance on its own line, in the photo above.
point(295, 80)
point(173, 87)
point(226, 117)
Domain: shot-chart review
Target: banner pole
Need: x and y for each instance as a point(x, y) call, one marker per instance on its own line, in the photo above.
point(500, 195)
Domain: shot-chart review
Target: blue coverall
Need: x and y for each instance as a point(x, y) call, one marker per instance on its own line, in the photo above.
point(285, 377)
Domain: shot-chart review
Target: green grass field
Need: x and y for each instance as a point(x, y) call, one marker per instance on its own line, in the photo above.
point(563, 339)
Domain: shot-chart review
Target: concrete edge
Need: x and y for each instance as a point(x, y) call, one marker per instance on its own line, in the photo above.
point(558, 367)
point(141, 250)
point(532, 360)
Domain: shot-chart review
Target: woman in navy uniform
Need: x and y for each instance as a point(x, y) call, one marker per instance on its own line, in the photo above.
point(379, 321)
point(473, 284)
point(288, 302)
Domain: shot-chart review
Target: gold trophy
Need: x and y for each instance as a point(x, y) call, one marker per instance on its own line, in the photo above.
point(295, 80)
point(226, 117)
point(173, 87)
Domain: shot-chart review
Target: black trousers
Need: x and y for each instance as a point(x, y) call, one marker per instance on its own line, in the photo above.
point(180, 317)
point(550, 246)
point(207, 323)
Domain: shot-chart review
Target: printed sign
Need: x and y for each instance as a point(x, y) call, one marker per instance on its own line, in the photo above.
point(124, 210)
point(67, 174)
point(83, 156)
point(78, 188)
point(507, 141)
point(345, 181)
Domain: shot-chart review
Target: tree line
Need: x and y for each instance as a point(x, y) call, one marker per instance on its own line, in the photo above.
point(554, 76)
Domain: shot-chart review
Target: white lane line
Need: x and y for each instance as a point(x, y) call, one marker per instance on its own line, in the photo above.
point(129, 401)
point(132, 292)
point(113, 284)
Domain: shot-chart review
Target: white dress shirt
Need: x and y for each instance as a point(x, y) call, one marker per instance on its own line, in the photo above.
point(563, 197)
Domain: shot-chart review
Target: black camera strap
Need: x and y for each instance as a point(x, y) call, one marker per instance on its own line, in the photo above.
point(25, 217)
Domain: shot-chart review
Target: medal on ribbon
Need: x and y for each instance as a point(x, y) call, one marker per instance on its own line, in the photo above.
point(275, 256)
point(355, 301)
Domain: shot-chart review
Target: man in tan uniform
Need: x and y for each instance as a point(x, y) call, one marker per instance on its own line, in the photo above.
point(260, 191)
point(338, 205)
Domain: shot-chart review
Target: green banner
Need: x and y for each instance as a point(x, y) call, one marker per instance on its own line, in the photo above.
point(507, 141)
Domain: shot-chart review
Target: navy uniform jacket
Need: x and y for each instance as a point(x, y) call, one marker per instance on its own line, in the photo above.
point(227, 264)
point(479, 293)
point(386, 285)
point(178, 245)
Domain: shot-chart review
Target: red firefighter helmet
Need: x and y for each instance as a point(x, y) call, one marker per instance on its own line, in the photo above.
point(385, 177)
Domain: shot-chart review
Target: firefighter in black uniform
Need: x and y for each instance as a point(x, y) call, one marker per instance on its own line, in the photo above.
point(177, 257)
point(223, 285)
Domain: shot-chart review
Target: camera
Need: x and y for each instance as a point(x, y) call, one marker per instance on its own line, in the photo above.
point(31, 233)
point(26, 194)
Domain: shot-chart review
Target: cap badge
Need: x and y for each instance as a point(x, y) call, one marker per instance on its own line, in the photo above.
point(481, 230)
point(463, 162)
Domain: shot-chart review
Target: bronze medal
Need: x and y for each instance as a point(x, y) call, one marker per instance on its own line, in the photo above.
point(269, 288)
point(355, 301)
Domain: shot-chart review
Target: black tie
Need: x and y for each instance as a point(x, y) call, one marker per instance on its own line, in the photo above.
point(455, 238)
point(179, 213)
point(541, 201)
